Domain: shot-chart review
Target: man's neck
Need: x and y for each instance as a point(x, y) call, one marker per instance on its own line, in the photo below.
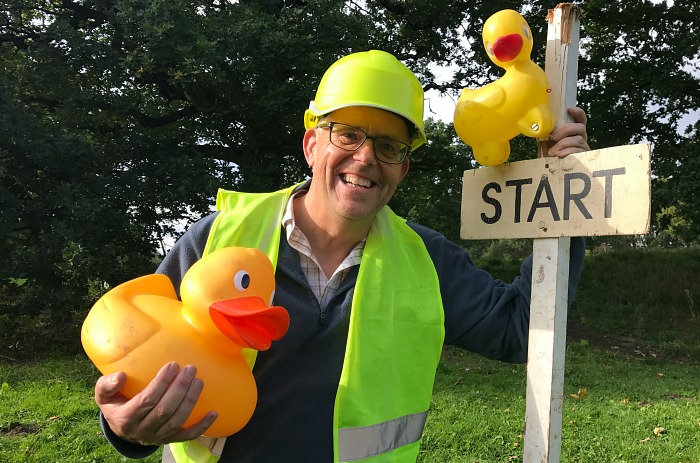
point(331, 240)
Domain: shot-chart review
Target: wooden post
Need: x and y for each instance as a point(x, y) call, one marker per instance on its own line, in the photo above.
point(612, 197)
point(550, 268)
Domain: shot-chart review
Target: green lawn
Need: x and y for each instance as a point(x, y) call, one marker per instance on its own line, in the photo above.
point(616, 410)
point(612, 408)
point(47, 414)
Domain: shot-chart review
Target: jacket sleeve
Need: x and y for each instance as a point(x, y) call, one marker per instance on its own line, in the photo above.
point(482, 314)
point(126, 448)
point(186, 251)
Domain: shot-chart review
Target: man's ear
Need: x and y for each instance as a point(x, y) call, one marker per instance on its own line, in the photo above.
point(309, 145)
point(404, 167)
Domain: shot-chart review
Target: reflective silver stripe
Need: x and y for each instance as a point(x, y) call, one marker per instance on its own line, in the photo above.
point(167, 455)
point(364, 442)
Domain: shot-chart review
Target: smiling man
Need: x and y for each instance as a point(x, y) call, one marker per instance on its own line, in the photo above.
point(371, 298)
point(353, 178)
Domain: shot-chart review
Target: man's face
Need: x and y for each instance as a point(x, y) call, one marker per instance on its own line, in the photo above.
point(354, 184)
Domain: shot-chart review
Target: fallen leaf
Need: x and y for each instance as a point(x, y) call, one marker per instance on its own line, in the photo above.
point(645, 440)
point(659, 430)
point(625, 401)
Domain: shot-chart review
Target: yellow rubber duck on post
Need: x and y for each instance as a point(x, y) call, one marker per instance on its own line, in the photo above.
point(487, 118)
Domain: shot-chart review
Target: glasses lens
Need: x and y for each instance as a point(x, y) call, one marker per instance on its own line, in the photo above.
point(390, 150)
point(347, 137)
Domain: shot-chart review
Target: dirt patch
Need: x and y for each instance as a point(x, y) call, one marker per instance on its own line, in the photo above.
point(17, 429)
point(625, 346)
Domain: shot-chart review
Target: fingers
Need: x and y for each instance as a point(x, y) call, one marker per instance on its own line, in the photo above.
point(155, 415)
point(107, 388)
point(170, 385)
point(578, 114)
point(194, 431)
point(571, 137)
point(174, 405)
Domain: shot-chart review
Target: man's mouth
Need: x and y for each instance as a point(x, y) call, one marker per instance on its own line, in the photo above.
point(354, 180)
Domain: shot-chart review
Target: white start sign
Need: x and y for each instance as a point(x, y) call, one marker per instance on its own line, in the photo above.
point(596, 193)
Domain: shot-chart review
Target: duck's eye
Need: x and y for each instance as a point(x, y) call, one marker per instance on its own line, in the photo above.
point(242, 280)
point(526, 31)
point(489, 48)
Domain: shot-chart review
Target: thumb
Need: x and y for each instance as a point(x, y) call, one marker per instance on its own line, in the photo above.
point(108, 387)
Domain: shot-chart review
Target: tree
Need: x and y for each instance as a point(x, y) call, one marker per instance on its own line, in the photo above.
point(639, 77)
point(121, 118)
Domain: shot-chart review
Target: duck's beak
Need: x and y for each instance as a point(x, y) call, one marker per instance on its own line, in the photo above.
point(249, 322)
point(507, 47)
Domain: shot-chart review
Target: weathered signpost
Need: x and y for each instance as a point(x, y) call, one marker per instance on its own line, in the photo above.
point(601, 192)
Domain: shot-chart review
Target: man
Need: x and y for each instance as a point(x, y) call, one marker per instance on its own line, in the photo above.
point(371, 298)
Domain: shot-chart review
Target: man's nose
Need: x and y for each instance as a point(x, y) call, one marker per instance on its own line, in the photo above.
point(365, 153)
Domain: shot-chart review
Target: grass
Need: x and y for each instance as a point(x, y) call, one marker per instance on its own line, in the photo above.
point(615, 410)
point(612, 407)
point(47, 413)
point(634, 404)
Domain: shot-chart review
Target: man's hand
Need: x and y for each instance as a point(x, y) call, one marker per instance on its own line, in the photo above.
point(154, 416)
point(571, 137)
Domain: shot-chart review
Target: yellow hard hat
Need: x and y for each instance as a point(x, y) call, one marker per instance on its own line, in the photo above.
point(372, 78)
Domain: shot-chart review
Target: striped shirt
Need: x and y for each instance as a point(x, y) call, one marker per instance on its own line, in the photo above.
point(324, 288)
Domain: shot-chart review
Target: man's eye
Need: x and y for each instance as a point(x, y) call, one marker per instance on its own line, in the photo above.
point(349, 137)
point(386, 147)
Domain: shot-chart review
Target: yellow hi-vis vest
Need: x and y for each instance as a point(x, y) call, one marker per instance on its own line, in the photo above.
point(394, 341)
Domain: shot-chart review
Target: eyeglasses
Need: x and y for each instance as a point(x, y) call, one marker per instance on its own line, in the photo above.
point(351, 138)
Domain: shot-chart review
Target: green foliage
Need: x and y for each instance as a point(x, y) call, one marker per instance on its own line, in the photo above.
point(120, 119)
point(503, 258)
point(638, 78)
point(650, 294)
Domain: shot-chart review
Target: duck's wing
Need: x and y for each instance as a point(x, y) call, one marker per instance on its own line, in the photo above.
point(116, 325)
point(489, 97)
point(537, 122)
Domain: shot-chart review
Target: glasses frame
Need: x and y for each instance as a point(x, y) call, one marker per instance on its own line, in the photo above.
point(330, 125)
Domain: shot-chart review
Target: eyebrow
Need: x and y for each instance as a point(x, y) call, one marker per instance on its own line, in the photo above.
point(379, 135)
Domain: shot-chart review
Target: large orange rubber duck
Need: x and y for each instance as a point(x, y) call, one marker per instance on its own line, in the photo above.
point(225, 312)
point(487, 118)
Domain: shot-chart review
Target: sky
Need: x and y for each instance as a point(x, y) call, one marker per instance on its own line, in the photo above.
point(438, 106)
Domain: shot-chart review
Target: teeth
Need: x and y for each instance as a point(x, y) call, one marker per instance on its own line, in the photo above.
point(356, 181)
